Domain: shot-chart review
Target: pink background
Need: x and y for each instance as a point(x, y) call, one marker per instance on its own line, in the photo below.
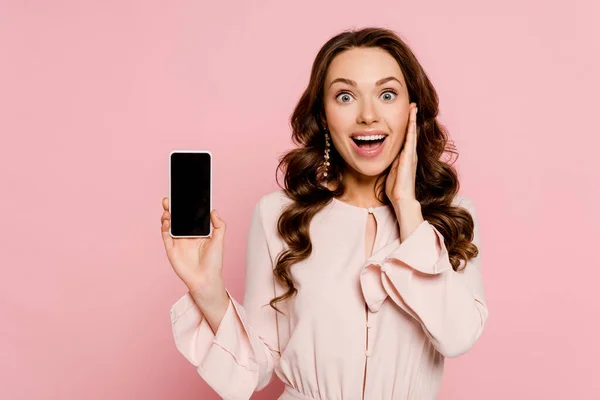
point(94, 95)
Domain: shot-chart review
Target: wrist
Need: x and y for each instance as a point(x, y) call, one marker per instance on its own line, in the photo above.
point(213, 302)
point(216, 299)
point(406, 204)
point(208, 290)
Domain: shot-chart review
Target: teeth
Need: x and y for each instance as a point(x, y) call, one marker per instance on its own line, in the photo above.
point(372, 137)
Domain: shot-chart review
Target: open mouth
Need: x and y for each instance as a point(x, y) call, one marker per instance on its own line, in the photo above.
point(371, 143)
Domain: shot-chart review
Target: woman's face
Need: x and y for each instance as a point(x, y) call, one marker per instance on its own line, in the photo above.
point(366, 97)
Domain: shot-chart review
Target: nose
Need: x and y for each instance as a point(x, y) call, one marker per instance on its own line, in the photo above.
point(367, 113)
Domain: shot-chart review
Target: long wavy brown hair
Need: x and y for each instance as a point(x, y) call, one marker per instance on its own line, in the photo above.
point(436, 180)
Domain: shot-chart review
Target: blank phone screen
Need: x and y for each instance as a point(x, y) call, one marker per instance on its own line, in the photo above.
point(190, 193)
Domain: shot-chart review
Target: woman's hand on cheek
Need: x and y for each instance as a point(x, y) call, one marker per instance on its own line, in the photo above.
point(400, 182)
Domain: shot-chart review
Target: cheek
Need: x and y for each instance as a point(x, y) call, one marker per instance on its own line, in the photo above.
point(340, 142)
point(339, 118)
point(397, 121)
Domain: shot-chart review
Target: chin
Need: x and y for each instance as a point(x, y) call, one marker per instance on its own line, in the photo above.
point(372, 170)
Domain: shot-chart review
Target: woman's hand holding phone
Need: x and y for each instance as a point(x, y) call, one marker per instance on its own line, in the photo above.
point(198, 262)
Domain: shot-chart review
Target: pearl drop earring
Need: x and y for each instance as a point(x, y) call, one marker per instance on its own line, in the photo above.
point(326, 162)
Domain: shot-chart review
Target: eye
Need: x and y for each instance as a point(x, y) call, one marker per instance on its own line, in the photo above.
point(344, 97)
point(393, 93)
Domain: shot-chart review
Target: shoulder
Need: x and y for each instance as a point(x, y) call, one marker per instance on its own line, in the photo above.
point(275, 199)
point(269, 207)
point(273, 203)
point(464, 202)
point(265, 218)
point(467, 204)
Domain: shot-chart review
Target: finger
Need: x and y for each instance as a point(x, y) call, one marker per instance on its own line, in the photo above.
point(413, 125)
point(410, 125)
point(409, 145)
point(165, 215)
point(218, 225)
point(415, 132)
point(167, 239)
point(165, 203)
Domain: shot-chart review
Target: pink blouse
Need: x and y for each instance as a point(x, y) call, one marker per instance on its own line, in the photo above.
point(384, 323)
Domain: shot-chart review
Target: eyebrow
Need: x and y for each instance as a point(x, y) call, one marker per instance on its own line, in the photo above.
point(378, 83)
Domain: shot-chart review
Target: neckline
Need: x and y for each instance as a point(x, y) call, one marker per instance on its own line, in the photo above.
point(365, 209)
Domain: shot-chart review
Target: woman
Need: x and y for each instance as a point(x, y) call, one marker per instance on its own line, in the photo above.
point(363, 273)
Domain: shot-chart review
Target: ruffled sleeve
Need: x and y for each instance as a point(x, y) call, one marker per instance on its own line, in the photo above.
point(240, 357)
point(417, 275)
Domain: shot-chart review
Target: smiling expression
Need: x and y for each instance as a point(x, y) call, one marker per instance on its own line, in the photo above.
point(365, 94)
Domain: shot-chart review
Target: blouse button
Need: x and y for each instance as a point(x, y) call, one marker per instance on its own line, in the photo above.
point(370, 209)
point(383, 268)
point(368, 353)
point(369, 325)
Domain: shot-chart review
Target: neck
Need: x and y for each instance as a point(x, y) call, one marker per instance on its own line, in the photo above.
point(360, 190)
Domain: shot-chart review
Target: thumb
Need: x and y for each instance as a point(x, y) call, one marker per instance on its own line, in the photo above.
point(218, 225)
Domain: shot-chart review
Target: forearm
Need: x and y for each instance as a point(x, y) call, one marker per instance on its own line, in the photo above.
point(212, 299)
point(408, 213)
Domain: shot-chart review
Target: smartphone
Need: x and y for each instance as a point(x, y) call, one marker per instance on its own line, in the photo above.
point(190, 193)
